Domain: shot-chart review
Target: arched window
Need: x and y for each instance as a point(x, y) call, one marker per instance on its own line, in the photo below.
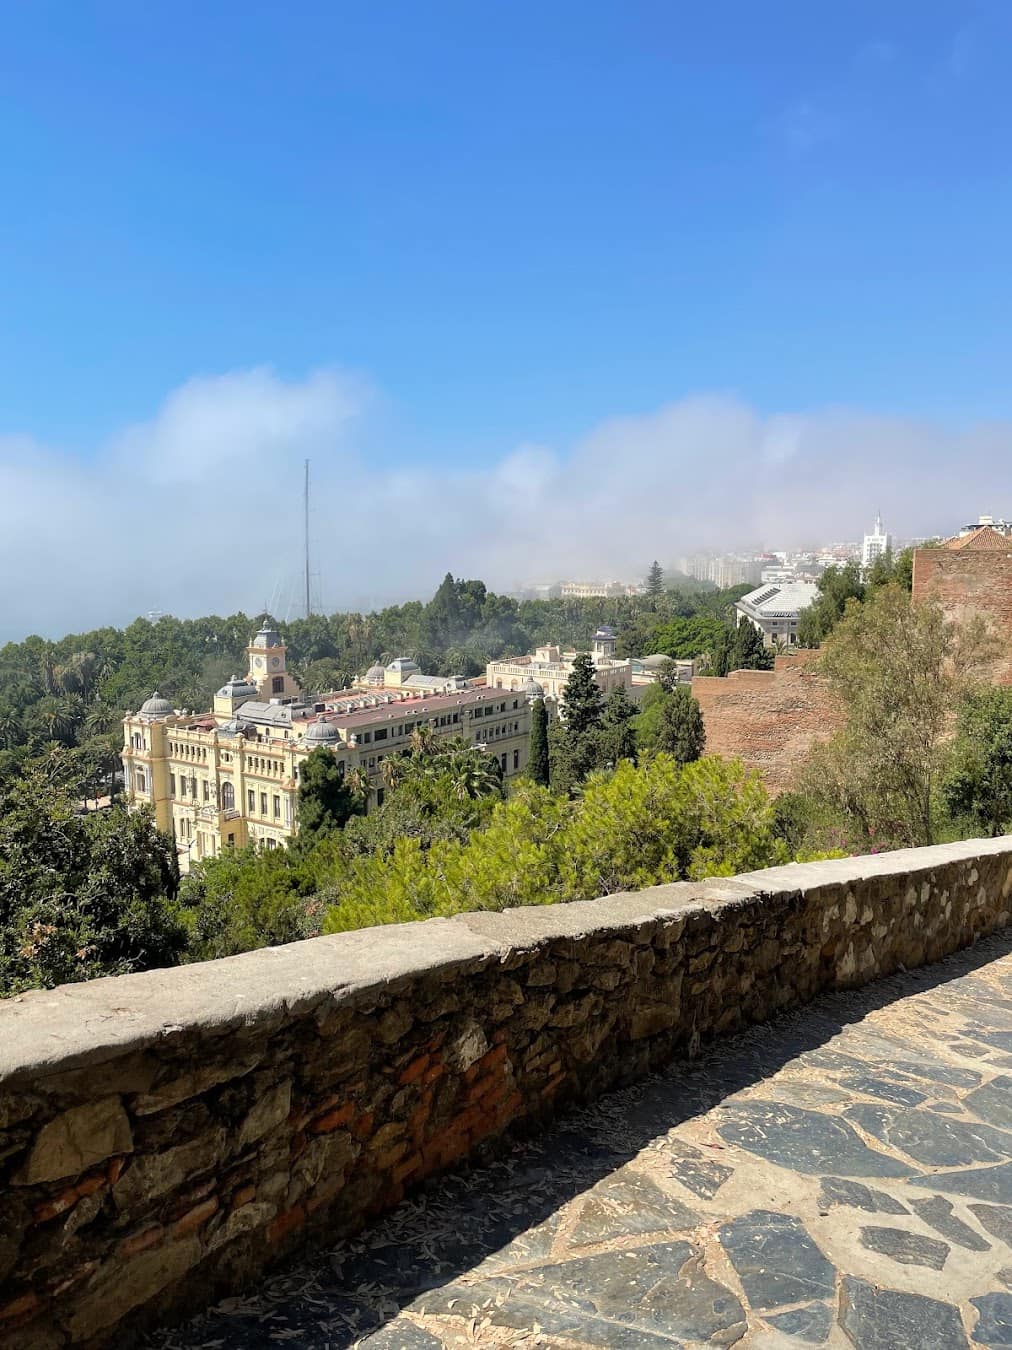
point(227, 797)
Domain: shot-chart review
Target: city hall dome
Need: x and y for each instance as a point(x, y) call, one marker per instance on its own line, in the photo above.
point(237, 688)
point(322, 732)
point(156, 706)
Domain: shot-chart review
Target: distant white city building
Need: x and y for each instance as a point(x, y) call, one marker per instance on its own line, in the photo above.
point(590, 590)
point(875, 544)
point(775, 610)
point(999, 526)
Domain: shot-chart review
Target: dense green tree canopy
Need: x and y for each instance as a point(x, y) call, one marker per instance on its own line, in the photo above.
point(978, 783)
point(80, 895)
point(898, 670)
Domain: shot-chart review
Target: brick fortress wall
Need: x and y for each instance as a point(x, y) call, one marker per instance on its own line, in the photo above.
point(770, 718)
point(167, 1137)
point(966, 583)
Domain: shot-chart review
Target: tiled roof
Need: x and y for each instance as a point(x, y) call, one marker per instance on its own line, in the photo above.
point(984, 539)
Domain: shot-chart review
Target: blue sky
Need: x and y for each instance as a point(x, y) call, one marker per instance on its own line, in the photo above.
point(503, 226)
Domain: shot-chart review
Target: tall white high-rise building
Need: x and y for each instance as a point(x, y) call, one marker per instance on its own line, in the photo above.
point(875, 544)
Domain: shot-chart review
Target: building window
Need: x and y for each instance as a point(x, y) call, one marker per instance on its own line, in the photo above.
point(278, 684)
point(516, 760)
point(231, 841)
point(141, 781)
point(503, 763)
point(228, 797)
point(263, 803)
point(379, 796)
point(182, 786)
point(172, 784)
point(193, 788)
point(277, 808)
point(366, 737)
point(381, 735)
point(251, 797)
point(207, 791)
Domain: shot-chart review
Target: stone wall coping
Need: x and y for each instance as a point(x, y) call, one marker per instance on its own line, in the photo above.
point(45, 1032)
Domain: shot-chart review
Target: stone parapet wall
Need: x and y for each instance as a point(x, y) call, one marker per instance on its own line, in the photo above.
point(768, 718)
point(168, 1136)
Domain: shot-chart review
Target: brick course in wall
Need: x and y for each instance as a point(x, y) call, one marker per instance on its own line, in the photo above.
point(967, 582)
point(770, 718)
point(169, 1136)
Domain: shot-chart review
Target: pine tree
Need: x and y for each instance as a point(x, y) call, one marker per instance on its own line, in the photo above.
point(721, 653)
point(748, 651)
point(617, 737)
point(325, 800)
point(582, 702)
point(681, 733)
point(654, 585)
point(538, 762)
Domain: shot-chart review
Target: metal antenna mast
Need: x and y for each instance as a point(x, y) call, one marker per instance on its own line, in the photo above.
point(306, 499)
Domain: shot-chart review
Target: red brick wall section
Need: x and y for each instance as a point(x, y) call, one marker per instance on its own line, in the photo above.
point(967, 583)
point(770, 718)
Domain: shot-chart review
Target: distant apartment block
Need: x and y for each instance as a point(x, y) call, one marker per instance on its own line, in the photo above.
point(725, 572)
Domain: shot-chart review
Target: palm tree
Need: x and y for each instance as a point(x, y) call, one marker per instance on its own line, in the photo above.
point(47, 671)
point(473, 773)
point(359, 783)
point(392, 772)
point(100, 720)
point(55, 718)
point(10, 728)
point(423, 739)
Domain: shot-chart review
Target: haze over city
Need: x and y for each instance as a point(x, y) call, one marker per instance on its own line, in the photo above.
point(539, 295)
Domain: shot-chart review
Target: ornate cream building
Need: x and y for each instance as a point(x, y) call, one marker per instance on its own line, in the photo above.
point(230, 777)
point(544, 673)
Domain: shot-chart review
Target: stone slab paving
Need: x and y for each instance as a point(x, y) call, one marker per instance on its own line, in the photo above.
point(838, 1178)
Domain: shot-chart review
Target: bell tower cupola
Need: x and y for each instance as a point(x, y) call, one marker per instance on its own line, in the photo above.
point(267, 666)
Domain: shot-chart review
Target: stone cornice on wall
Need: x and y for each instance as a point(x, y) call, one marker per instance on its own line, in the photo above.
point(168, 1136)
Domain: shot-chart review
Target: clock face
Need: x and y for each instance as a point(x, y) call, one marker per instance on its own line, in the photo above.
point(258, 662)
point(275, 661)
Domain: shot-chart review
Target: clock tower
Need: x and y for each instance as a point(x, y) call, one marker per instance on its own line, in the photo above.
point(267, 666)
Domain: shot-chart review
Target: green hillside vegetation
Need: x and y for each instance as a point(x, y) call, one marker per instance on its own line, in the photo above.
point(616, 797)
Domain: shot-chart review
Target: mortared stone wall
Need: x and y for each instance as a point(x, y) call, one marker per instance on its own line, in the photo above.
point(167, 1137)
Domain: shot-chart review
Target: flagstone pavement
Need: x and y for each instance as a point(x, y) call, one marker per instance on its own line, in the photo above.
point(841, 1177)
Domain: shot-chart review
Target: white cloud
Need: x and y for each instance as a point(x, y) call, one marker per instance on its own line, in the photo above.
point(199, 509)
